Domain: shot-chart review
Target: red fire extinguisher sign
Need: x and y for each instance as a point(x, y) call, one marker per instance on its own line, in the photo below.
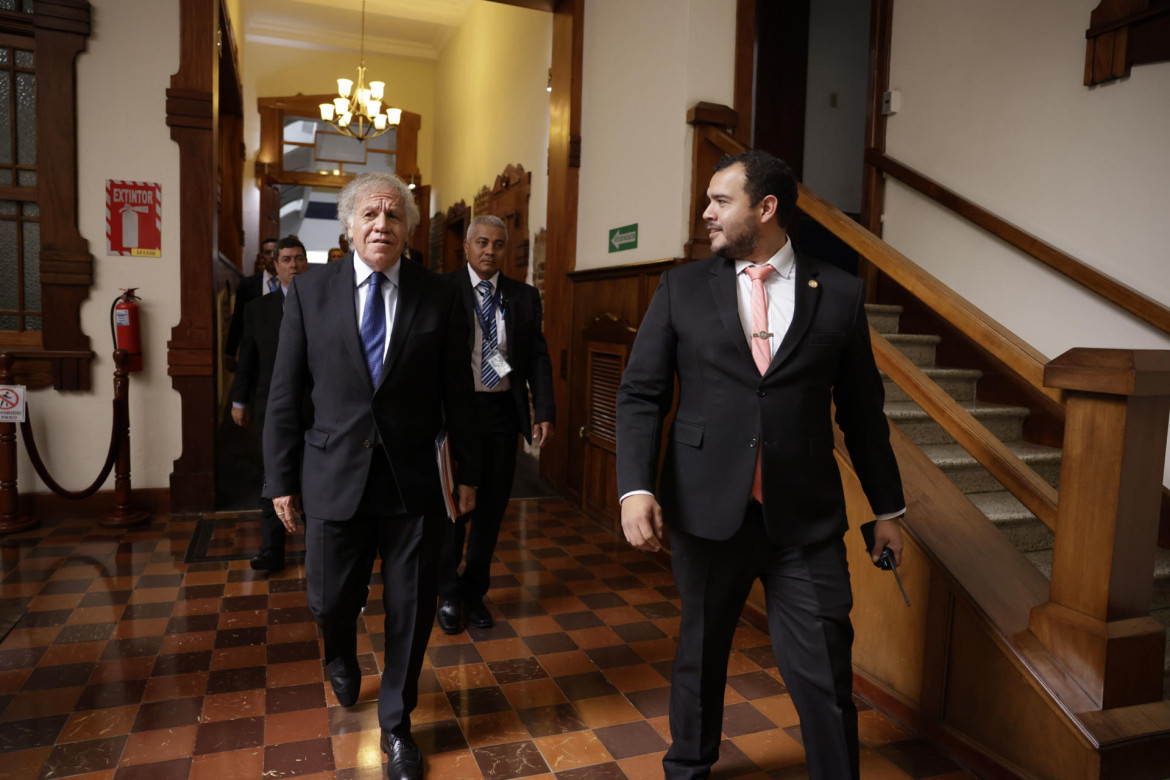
point(133, 218)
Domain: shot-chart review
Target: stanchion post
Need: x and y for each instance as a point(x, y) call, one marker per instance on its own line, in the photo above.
point(123, 515)
point(10, 520)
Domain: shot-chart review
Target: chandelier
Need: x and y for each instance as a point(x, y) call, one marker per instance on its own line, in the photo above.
point(357, 111)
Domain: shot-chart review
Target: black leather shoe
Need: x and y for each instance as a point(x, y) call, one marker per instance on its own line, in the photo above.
point(477, 614)
point(346, 678)
point(403, 759)
point(449, 618)
point(268, 560)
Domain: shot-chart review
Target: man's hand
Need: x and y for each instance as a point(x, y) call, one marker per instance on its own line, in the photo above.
point(241, 416)
point(465, 499)
point(288, 509)
point(540, 433)
point(888, 533)
point(642, 522)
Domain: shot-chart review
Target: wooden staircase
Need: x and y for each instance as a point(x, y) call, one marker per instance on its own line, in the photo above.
point(1020, 526)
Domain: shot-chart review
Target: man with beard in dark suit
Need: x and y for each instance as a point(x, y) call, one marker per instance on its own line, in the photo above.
point(760, 340)
point(381, 347)
point(509, 358)
point(253, 379)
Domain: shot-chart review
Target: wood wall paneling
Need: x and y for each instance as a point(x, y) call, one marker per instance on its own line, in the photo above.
point(192, 117)
point(564, 161)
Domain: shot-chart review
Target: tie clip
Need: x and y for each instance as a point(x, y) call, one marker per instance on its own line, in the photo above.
point(763, 334)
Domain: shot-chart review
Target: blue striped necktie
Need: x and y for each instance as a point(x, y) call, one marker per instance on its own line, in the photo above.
point(487, 320)
point(374, 326)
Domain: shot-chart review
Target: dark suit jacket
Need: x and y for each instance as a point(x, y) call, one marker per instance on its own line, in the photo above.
point(249, 290)
point(527, 350)
point(253, 378)
point(425, 385)
point(726, 410)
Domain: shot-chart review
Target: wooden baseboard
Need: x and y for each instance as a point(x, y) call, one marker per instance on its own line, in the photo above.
point(50, 506)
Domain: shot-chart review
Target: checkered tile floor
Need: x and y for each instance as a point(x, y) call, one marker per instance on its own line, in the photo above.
point(129, 663)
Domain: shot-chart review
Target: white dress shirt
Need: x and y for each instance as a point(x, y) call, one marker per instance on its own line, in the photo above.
point(266, 282)
point(361, 292)
point(501, 334)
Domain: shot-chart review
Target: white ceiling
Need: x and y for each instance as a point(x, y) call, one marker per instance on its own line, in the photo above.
point(404, 28)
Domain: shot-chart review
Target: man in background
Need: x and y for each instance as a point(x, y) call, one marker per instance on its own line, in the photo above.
point(335, 254)
point(381, 347)
point(254, 378)
point(509, 359)
point(262, 282)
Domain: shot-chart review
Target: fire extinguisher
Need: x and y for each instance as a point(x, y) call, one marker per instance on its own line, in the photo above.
point(124, 327)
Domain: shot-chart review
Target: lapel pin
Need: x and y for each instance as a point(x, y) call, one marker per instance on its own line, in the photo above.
point(812, 283)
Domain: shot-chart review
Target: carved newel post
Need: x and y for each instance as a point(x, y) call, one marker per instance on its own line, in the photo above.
point(1097, 620)
point(123, 515)
point(10, 520)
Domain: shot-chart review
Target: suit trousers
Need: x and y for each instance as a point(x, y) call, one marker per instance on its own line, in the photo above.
point(339, 557)
point(499, 427)
point(808, 600)
point(272, 531)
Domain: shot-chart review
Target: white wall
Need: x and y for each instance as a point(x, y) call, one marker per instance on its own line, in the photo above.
point(121, 134)
point(491, 106)
point(645, 64)
point(270, 70)
point(993, 107)
point(834, 136)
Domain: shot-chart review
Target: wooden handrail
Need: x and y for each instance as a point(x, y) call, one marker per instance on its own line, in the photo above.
point(1018, 477)
point(1014, 352)
point(1118, 293)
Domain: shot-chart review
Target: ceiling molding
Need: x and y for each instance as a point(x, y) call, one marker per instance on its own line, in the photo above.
point(296, 37)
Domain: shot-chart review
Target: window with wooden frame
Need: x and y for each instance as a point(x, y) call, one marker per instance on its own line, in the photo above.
point(45, 266)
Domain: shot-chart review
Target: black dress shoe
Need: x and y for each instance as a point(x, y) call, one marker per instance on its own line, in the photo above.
point(477, 614)
point(346, 678)
point(449, 618)
point(268, 560)
point(403, 759)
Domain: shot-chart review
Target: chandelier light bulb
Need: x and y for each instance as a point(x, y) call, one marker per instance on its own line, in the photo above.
point(377, 89)
point(380, 122)
point(344, 86)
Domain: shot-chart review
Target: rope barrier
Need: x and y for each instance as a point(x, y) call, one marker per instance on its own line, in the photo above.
point(123, 515)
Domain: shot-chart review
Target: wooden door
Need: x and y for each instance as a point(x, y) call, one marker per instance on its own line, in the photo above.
point(455, 231)
point(607, 348)
point(508, 200)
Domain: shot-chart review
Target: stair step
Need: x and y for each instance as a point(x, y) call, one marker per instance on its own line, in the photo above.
point(1042, 559)
point(883, 317)
point(971, 477)
point(918, 347)
point(1022, 528)
point(1004, 422)
point(958, 383)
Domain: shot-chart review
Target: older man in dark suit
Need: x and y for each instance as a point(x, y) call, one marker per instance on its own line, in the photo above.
point(253, 379)
point(760, 340)
point(381, 347)
point(509, 358)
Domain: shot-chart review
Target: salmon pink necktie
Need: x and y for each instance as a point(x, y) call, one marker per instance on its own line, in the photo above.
point(761, 349)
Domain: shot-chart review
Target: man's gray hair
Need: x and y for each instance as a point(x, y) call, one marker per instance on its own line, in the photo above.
point(489, 220)
point(365, 183)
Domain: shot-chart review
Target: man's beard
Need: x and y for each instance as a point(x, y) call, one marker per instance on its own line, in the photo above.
point(737, 245)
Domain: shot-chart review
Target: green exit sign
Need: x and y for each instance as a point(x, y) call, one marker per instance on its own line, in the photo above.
point(623, 238)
